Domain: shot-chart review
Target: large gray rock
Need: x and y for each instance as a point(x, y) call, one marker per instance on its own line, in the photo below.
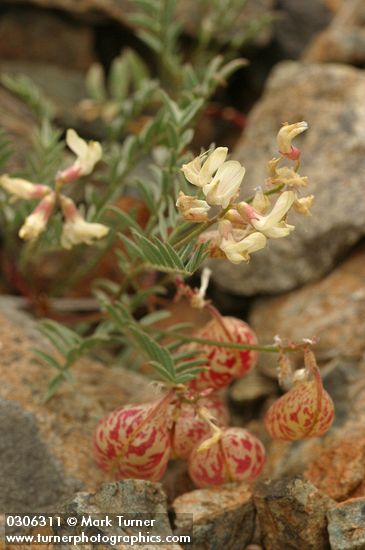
point(30, 480)
point(331, 98)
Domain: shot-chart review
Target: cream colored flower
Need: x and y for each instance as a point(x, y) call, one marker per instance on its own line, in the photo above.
point(201, 169)
point(286, 176)
point(285, 137)
point(240, 251)
point(192, 209)
point(76, 229)
point(303, 205)
point(272, 225)
point(87, 153)
point(36, 222)
point(225, 185)
point(23, 189)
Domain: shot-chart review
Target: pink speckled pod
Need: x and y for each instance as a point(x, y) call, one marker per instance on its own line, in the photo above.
point(190, 428)
point(237, 456)
point(135, 442)
point(225, 364)
point(306, 410)
point(297, 414)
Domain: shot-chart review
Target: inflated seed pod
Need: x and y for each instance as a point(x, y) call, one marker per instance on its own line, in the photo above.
point(135, 441)
point(306, 410)
point(224, 364)
point(237, 455)
point(190, 428)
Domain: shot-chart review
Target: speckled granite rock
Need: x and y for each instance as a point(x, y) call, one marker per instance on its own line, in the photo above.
point(346, 525)
point(331, 98)
point(223, 517)
point(292, 515)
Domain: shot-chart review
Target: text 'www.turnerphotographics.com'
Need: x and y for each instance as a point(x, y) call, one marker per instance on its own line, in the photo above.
point(129, 529)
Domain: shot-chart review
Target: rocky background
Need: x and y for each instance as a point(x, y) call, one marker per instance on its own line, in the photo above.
point(309, 65)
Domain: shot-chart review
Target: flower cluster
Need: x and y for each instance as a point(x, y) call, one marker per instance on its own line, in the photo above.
point(245, 226)
point(75, 229)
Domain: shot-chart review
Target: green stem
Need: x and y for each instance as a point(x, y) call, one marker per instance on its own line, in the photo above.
point(233, 345)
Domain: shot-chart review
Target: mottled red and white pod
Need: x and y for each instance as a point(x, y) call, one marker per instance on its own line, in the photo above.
point(135, 442)
point(190, 427)
point(224, 364)
point(236, 456)
point(306, 410)
point(297, 414)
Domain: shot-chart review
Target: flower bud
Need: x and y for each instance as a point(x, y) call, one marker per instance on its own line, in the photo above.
point(135, 441)
point(190, 427)
point(236, 456)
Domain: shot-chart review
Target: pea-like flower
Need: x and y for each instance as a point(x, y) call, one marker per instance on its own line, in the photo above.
point(239, 251)
point(225, 185)
point(87, 153)
point(192, 209)
point(200, 170)
point(23, 189)
point(285, 137)
point(76, 230)
point(272, 225)
point(36, 222)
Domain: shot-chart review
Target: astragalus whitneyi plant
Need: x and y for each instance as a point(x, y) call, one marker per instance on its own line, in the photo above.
point(183, 209)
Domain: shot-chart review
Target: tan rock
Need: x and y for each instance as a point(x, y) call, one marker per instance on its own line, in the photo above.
point(332, 310)
point(62, 428)
point(223, 517)
point(292, 515)
point(344, 39)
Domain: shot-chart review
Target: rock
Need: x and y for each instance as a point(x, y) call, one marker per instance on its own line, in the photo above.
point(332, 310)
point(298, 22)
point(45, 37)
point(292, 515)
point(339, 469)
point(63, 88)
point(344, 39)
point(346, 525)
point(188, 12)
point(330, 98)
point(133, 499)
point(30, 477)
point(63, 427)
point(224, 517)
